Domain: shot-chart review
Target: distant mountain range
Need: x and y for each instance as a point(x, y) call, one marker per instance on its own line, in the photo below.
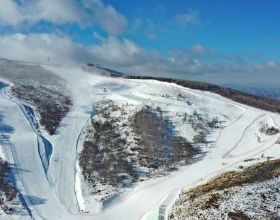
point(266, 91)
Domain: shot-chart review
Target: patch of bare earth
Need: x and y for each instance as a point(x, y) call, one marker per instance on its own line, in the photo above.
point(250, 194)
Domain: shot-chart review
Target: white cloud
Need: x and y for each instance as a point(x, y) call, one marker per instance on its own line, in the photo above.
point(198, 49)
point(125, 55)
point(121, 54)
point(9, 13)
point(146, 28)
point(57, 12)
point(85, 13)
point(105, 15)
point(117, 52)
point(41, 47)
point(191, 17)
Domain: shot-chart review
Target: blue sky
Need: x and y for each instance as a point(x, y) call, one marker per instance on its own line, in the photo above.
point(217, 41)
point(231, 26)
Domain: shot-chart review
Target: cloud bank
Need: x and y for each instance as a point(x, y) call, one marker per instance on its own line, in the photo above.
point(125, 55)
point(89, 13)
point(42, 48)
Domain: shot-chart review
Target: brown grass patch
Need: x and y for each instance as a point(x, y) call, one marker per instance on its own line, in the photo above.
point(256, 173)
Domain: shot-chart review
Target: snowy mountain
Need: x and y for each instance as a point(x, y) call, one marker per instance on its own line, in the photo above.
point(85, 142)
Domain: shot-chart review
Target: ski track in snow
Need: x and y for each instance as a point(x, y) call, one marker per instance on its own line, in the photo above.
point(41, 141)
point(54, 184)
point(7, 148)
point(227, 154)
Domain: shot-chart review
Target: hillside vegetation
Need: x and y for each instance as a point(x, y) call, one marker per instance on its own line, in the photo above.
point(249, 194)
point(124, 145)
point(8, 193)
point(40, 88)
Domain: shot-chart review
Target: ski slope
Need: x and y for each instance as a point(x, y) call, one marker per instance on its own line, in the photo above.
point(38, 195)
point(55, 192)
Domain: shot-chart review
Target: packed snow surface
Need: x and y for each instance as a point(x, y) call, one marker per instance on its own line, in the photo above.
point(57, 192)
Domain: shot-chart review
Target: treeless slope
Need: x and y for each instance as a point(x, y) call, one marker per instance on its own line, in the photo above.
point(264, 103)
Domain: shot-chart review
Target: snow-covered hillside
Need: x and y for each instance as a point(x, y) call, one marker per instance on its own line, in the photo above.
point(55, 183)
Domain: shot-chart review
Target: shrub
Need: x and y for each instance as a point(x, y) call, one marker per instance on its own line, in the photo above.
point(159, 145)
point(9, 192)
point(265, 129)
point(102, 159)
point(238, 215)
point(200, 138)
point(52, 105)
